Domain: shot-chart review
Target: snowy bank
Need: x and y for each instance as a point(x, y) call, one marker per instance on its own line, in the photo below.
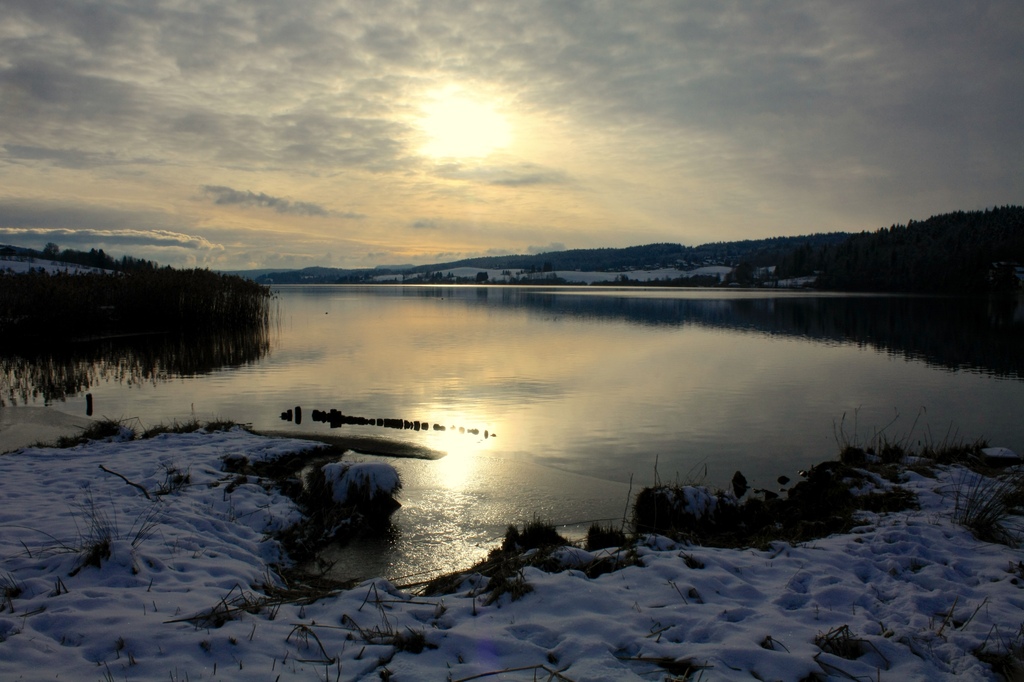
point(351, 481)
point(182, 586)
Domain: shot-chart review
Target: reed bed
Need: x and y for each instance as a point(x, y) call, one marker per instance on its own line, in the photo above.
point(66, 307)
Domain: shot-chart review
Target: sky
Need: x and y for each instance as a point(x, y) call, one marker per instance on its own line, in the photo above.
point(235, 134)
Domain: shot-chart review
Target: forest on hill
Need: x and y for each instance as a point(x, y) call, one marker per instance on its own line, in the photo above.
point(961, 252)
point(93, 258)
point(759, 252)
point(648, 256)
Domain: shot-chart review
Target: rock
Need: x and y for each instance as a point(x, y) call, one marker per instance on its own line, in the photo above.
point(739, 485)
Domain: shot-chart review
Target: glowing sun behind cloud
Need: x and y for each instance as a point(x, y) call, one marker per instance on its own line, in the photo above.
point(457, 126)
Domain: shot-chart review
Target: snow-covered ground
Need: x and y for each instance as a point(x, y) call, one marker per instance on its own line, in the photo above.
point(21, 265)
point(182, 596)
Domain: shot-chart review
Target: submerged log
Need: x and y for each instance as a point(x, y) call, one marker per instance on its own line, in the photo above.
point(335, 418)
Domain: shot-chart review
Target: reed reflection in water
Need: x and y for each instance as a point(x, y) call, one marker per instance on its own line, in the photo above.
point(55, 374)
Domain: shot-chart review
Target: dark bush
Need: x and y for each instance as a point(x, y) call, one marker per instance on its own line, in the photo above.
point(535, 534)
point(603, 537)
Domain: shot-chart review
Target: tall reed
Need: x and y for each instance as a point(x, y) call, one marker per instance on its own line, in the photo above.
point(73, 306)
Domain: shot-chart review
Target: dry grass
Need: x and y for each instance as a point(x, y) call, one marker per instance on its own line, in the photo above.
point(1004, 653)
point(97, 534)
point(535, 535)
point(603, 537)
point(987, 502)
point(101, 429)
point(189, 426)
point(841, 642)
point(10, 589)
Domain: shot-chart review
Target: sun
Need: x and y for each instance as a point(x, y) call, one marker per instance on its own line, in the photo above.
point(457, 126)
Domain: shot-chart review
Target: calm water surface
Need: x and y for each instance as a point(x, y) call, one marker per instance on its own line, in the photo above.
point(583, 393)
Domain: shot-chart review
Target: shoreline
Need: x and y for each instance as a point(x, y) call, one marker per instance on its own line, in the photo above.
point(28, 425)
point(31, 425)
point(378, 446)
point(907, 595)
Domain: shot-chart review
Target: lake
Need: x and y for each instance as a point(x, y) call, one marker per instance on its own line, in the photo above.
point(558, 402)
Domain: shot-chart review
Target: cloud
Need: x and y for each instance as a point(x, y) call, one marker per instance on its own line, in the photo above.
point(69, 158)
point(52, 90)
point(92, 237)
point(228, 196)
point(516, 175)
point(794, 99)
point(724, 119)
point(525, 180)
point(203, 84)
point(147, 234)
point(77, 216)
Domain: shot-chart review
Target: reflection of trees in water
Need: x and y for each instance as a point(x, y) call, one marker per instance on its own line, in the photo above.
point(54, 374)
point(984, 334)
point(955, 333)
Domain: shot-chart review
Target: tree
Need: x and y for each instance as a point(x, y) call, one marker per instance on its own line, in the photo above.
point(51, 251)
point(482, 277)
point(744, 274)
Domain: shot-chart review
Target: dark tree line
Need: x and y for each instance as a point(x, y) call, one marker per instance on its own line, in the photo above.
point(93, 258)
point(758, 252)
point(949, 253)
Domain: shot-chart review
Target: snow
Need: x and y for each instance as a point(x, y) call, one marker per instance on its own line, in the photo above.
point(371, 479)
point(18, 266)
point(700, 502)
point(1005, 455)
point(183, 594)
point(796, 282)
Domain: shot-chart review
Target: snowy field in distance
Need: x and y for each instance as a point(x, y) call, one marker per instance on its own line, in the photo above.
point(578, 277)
point(19, 265)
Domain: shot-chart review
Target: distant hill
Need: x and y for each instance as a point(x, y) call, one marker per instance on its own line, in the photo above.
point(251, 274)
point(319, 275)
point(758, 252)
point(959, 252)
point(649, 256)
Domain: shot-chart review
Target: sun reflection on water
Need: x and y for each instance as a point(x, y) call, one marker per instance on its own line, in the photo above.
point(464, 442)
